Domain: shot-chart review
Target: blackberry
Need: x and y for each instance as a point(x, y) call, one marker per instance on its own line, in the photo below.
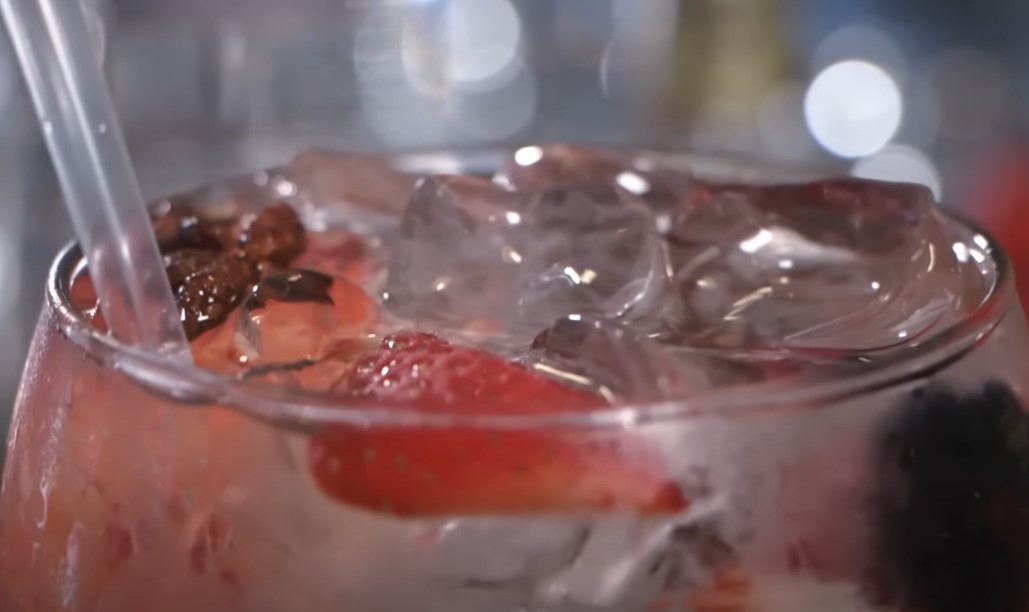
point(950, 505)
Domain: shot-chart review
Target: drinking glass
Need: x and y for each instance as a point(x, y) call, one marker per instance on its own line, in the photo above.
point(897, 484)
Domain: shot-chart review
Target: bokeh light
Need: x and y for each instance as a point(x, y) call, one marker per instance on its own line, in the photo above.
point(858, 41)
point(497, 113)
point(853, 108)
point(901, 163)
point(483, 39)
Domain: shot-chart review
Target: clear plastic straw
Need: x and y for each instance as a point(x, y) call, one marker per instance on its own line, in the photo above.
point(62, 70)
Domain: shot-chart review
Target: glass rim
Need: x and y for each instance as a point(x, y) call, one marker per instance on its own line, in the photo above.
point(299, 408)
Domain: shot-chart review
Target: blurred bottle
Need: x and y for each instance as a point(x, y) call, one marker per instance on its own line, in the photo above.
point(728, 55)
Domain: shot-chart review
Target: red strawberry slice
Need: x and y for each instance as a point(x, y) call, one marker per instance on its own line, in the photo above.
point(426, 471)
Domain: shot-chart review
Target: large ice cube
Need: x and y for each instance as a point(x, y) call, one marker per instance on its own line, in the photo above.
point(609, 357)
point(617, 568)
point(556, 165)
point(344, 254)
point(622, 364)
point(330, 189)
point(658, 188)
point(662, 191)
point(302, 328)
point(844, 264)
point(521, 550)
point(470, 250)
point(625, 563)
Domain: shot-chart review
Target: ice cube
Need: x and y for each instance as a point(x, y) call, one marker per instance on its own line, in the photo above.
point(622, 364)
point(658, 187)
point(520, 550)
point(469, 249)
point(600, 252)
point(610, 357)
point(360, 191)
point(845, 263)
point(342, 253)
point(660, 190)
point(300, 317)
point(556, 165)
point(626, 563)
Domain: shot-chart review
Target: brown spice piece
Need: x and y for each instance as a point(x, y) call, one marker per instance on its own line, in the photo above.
point(179, 226)
point(274, 235)
point(212, 264)
point(208, 295)
point(292, 286)
point(180, 265)
point(267, 268)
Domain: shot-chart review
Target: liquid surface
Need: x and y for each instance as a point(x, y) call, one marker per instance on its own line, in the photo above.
point(573, 280)
point(595, 267)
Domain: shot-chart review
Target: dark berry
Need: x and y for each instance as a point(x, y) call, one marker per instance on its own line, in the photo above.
point(266, 268)
point(179, 265)
point(951, 504)
point(208, 295)
point(179, 226)
point(275, 235)
point(212, 263)
point(292, 286)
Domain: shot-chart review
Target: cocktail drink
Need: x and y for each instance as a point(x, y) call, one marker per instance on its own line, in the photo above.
point(559, 379)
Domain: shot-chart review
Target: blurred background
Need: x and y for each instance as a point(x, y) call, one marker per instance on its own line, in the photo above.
point(930, 91)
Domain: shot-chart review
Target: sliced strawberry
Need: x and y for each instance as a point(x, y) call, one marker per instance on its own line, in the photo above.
point(423, 471)
point(436, 376)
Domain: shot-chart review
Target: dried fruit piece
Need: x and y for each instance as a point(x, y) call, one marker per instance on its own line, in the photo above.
point(180, 226)
point(180, 265)
point(275, 234)
point(208, 295)
point(301, 315)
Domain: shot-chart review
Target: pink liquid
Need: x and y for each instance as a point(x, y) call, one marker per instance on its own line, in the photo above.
point(121, 497)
